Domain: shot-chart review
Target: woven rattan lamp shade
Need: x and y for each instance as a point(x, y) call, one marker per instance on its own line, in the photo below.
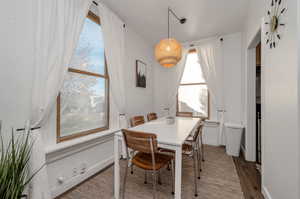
point(168, 52)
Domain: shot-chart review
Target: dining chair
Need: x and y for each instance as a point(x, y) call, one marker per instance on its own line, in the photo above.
point(151, 116)
point(146, 156)
point(194, 139)
point(137, 120)
point(200, 144)
point(191, 148)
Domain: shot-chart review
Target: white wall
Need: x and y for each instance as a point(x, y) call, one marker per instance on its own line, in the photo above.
point(15, 63)
point(256, 10)
point(232, 67)
point(139, 100)
point(280, 104)
point(161, 76)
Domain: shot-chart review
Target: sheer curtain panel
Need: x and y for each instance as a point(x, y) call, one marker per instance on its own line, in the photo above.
point(175, 74)
point(58, 24)
point(210, 58)
point(113, 33)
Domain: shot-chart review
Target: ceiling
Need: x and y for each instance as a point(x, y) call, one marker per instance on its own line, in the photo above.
point(205, 18)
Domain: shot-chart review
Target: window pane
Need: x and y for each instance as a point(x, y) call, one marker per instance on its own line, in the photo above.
point(83, 104)
point(194, 99)
point(89, 54)
point(192, 71)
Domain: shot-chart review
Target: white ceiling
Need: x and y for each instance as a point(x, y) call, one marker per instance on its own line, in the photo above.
point(205, 18)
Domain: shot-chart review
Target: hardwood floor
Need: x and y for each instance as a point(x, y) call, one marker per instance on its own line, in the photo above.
point(249, 178)
point(219, 180)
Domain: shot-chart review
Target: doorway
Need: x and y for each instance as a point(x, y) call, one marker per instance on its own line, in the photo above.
point(253, 100)
point(255, 108)
point(258, 105)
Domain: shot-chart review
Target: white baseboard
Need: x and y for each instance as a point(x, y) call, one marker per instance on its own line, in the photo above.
point(265, 193)
point(80, 178)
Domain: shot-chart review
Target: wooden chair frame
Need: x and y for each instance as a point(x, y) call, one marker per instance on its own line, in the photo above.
point(140, 141)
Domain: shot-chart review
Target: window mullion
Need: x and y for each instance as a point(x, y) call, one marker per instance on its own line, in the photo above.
point(73, 70)
point(191, 84)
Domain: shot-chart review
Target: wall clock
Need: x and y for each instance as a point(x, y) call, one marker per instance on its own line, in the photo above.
point(274, 23)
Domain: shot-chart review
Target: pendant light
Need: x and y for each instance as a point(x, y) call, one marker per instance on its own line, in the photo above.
point(168, 51)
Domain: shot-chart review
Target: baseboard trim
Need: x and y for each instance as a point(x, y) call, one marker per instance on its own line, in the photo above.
point(266, 193)
point(80, 178)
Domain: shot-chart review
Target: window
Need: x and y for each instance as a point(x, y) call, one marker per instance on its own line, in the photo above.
point(193, 97)
point(83, 103)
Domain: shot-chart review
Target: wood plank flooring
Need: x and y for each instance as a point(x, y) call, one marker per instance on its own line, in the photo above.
point(219, 180)
point(249, 178)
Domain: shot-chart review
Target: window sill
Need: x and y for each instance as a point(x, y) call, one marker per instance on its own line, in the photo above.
point(80, 141)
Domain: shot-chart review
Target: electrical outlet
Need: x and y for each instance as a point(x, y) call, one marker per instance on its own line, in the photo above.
point(60, 179)
point(82, 168)
point(74, 172)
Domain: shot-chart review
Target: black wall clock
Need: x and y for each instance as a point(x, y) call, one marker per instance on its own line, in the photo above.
point(274, 23)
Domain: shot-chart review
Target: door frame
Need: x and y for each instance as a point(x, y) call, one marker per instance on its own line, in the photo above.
point(250, 99)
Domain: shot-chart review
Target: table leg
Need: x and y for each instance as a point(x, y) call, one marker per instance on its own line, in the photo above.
point(178, 168)
point(116, 168)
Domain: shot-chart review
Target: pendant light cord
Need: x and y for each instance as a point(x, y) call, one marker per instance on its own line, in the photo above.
point(181, 20)
point(169, 22)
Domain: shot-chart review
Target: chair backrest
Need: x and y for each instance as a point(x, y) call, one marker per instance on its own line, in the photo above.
point(198, 132)
point(151, 116)
point(139, 141)
point(137, 120)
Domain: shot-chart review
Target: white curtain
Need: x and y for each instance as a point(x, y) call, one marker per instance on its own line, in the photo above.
point(210, 58)
point(58, 24)
point(173, 80)
point(114, 42)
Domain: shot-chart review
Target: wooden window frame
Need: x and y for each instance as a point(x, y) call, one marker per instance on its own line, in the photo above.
point(60, 138)
point(184, 114)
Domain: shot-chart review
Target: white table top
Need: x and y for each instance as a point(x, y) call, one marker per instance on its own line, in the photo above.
point(172, 134)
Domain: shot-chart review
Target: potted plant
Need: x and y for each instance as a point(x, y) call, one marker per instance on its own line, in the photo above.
point(14, 165)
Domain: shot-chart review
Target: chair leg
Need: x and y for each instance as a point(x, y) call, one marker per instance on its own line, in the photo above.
point(159, 178)
point(199, 159)
point(131, 167)
point(168, 168)
point(195, 172)
point(202, 149)
point(173, 176)
point(145, 182)
point(124, 180)
point(154, 184)
point(131, 156)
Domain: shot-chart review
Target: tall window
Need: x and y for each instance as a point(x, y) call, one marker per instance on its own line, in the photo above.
point(193, 98)
point(83, 103)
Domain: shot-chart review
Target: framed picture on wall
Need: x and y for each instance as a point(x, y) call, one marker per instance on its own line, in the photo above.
point(141, 69)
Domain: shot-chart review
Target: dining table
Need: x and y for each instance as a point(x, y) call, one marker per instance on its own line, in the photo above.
point(170, 135)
